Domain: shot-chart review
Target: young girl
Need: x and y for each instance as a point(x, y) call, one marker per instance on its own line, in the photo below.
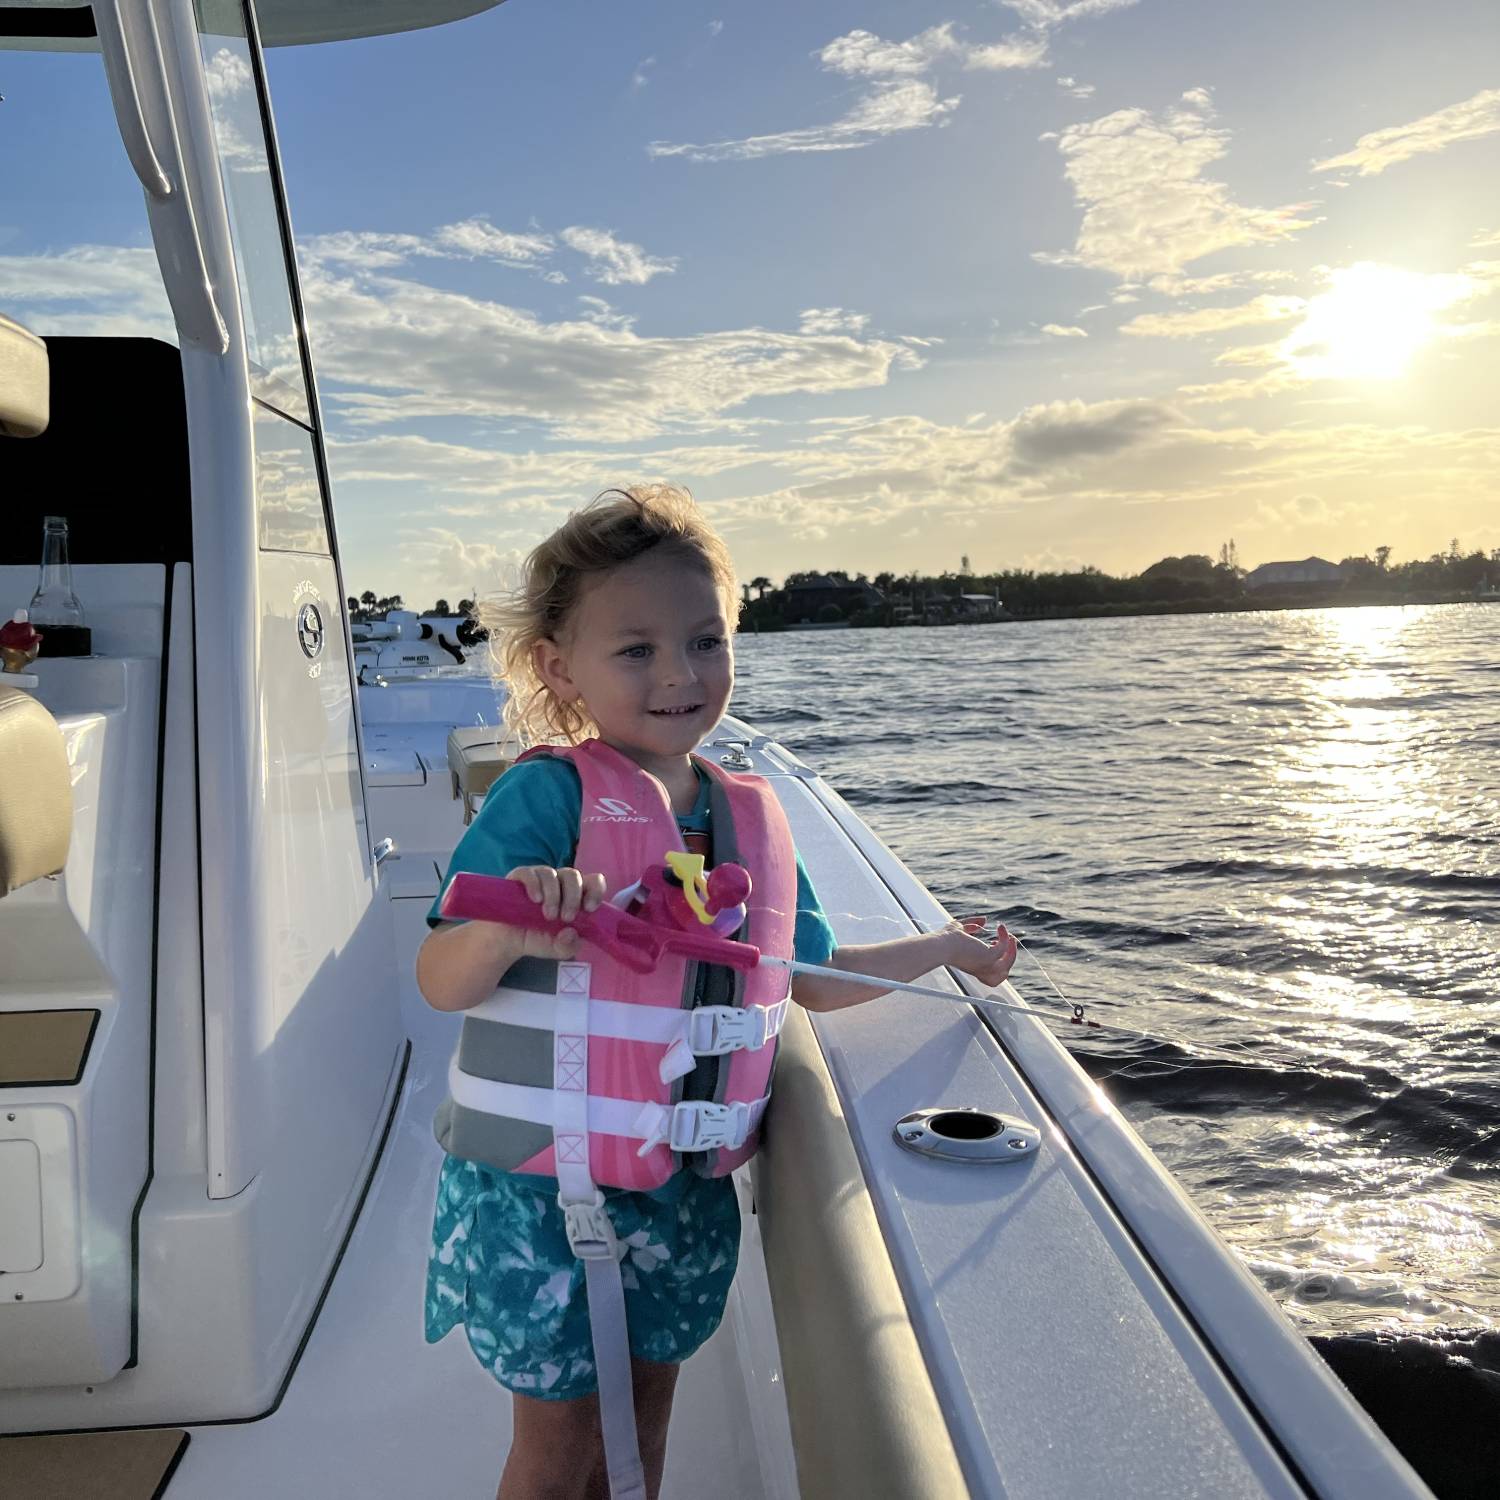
point(618, 648)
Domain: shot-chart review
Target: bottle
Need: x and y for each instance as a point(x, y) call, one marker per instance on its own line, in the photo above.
point(19, 643)
point(55, 609)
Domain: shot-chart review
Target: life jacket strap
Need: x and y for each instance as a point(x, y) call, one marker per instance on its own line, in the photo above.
point(693, 1125)
point(699, 1125)
point(709, 1029)
point(591, 1235)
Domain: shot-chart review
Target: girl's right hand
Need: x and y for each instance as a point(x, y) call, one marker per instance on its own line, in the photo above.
point(562, 894)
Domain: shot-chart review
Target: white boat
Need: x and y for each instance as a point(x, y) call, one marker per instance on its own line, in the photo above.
point(217, 1078)
point(404, 643)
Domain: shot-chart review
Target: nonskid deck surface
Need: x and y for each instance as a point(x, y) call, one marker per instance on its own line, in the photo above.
point(374, 1411)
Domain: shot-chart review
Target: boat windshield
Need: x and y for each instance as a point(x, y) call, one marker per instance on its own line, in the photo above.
point(76, 257)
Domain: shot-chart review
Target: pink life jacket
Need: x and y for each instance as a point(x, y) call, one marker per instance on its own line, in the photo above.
point(629, 1076)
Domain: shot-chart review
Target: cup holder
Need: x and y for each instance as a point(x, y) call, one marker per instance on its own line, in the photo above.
point(967, 1134)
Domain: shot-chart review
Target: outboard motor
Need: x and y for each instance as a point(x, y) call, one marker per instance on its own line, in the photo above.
point(405, 641)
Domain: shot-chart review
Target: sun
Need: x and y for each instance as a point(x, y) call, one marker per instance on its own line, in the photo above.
point(1370, 322)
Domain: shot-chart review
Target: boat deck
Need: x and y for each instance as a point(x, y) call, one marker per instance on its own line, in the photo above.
point(1083, 1330)
point(373, 1410)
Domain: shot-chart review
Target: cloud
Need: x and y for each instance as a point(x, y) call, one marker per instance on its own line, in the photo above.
point(1223, 281)
point(1379, 149)
point(1253, 354)
point(1075, 90)
point(1298, 513)
point(641, 77)
point(615, 262)
point(1046, 15)
point(862, 54)
point(236, 112)
point(899, 96)
point(1187, 325)
point(469, 239)
point(98, 290)
point(397, 350)
point(1012, 52)
point(853, 471)
point(1060, 433)
point(1214, 393)
point(445, 554)
point(1059, 331)
point(890, 109)
point(832, 320)
point(227, 74)
point(1148, 210)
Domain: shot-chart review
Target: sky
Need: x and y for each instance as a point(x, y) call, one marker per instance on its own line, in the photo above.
point(1039, 283)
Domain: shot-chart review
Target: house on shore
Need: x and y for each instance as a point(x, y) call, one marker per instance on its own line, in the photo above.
point(805, 600)
point(979, 606)
point(1310, 573)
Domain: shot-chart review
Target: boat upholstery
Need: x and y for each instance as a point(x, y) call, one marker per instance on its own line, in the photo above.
point(24, 384)
point(478, 756)
point(865, 1418)
point(36, 792)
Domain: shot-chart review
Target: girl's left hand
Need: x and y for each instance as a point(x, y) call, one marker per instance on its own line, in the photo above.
point(988, 959)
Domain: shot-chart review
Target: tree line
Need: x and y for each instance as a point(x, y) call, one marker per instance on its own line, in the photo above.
point(1189, 583)
point(1178, 584)
point(370, 605)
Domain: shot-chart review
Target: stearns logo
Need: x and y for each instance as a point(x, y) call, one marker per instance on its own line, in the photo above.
point(613, 810)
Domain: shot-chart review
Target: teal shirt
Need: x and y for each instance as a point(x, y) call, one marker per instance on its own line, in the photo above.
point(531, 817)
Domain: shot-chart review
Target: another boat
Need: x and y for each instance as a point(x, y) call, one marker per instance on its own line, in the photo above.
point(216, 1075)
point(402, 641)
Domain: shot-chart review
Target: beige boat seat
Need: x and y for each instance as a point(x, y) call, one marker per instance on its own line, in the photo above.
point(477, 757)
point(25, 384)
point(36, 792)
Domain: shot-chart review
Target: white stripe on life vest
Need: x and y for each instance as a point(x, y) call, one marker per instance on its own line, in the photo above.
point(612, 1018)
point(621, 1019)
point(634, 1118)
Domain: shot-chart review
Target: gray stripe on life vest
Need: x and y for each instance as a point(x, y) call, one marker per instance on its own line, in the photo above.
point(512, 1054)
point(536, 974)
point(716, 984)
point(509, 1054)
point(492, 1140)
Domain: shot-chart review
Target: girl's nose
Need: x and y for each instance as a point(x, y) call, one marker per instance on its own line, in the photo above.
point(676, 668)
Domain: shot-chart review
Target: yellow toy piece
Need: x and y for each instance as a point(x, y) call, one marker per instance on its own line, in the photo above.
point(688, 868)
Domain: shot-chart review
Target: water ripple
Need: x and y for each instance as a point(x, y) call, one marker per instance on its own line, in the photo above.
point(1271, 843)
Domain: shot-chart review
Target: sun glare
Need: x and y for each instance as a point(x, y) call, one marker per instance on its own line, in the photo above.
point(1370, 322)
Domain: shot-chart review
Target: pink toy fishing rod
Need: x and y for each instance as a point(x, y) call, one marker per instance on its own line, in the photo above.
point(639, 943)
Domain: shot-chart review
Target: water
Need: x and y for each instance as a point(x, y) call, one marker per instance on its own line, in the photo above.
point(1270, 843)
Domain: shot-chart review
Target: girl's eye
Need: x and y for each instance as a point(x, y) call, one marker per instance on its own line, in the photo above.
point(709, 642)
point(636, 653)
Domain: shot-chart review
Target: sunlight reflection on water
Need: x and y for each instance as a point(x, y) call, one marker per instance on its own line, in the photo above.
point(1271, 841)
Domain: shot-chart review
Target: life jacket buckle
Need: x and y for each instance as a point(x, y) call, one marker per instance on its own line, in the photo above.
point(591, 1235)
point(716, 1029)
point(702, 1126)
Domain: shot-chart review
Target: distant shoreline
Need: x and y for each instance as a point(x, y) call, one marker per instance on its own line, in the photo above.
point(1129, 610)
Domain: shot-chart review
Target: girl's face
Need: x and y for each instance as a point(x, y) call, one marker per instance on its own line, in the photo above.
point(648, 651)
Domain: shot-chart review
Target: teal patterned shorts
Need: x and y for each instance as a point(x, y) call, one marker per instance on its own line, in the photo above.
point(501, 1266)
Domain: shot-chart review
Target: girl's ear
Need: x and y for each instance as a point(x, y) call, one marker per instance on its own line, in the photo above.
point(551, 663)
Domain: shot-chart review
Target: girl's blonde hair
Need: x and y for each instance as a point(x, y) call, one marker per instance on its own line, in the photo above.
point(614, 528)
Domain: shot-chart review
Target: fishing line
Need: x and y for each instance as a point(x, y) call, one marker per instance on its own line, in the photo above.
point(1077, 1011)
